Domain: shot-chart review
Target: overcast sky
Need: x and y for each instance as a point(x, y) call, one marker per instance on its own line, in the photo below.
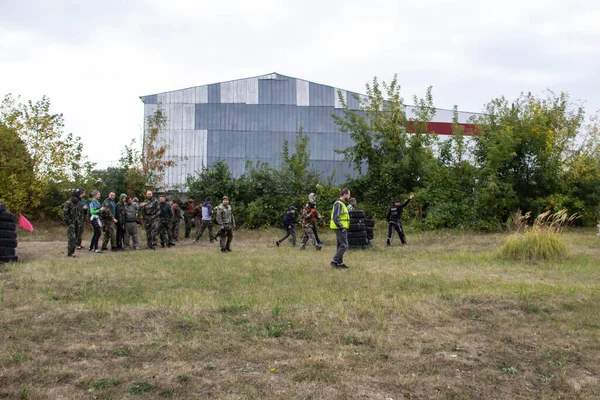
point(95, 58)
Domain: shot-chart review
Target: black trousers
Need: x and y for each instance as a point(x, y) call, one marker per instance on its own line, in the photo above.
point(314, 229)
point(97, 233)
point(396, 226)
point(120, 235)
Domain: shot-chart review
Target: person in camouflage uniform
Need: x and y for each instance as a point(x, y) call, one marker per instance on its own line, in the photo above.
point(151, 211)
point(109, 221)
point(352, 205)
point(166, 216)
point(176, 221)
point(309, 216)
point(84, 212)
point(226, 222)
point(72, 219)
point(131, 223)
point(121, 220)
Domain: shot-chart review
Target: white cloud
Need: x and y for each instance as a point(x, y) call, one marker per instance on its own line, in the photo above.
point(93, 59)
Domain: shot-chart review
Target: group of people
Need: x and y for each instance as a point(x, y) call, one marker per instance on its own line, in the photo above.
point(119, 221)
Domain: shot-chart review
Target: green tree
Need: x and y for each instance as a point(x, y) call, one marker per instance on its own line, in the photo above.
point(56, 159)
point(19, 189)
point(154, 149)
point(390, 151)
point(521, 152)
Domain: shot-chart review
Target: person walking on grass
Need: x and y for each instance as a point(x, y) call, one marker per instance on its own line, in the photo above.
point(289, 219)
point(203, 218)
point(84, 212)
point(340, 223)
point(189, 216)
point(312, 203)
point(226, 222)
point(151, 211)
point(394, 217)
point(95, 210)
point(72, 219)
point(309, 215)
point(109, 221)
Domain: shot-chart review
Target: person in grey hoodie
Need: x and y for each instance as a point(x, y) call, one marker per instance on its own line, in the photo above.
point(207, 212)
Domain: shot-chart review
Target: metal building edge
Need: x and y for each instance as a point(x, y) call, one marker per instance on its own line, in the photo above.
point(249, 119)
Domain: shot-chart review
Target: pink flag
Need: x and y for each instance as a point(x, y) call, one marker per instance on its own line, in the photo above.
point(25, 224)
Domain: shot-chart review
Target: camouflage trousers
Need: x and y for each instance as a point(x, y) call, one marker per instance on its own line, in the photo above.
point(72, 231)
point(152, 229)
point(309, 235)
point(225, 237)
point(164, 231)
point(201, 226)
point(110, 233)
point(174, 232)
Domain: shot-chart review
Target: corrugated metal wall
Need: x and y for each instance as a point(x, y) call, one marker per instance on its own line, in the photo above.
point(249, 119)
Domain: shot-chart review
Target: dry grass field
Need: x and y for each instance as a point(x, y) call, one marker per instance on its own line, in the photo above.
point(441, 318)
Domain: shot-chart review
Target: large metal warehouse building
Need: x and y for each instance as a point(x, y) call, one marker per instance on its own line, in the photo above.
point(249, 119)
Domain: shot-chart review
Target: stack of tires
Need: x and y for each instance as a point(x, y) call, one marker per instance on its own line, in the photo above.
point(8, 235)
point(361, 230)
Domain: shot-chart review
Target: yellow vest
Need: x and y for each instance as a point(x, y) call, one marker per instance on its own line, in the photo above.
point(344, 216)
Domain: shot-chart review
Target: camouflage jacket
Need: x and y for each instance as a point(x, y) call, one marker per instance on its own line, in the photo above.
point(224, 215)
point(309, 216)
point(72, 212)
point(151, 209)
point(108, 205)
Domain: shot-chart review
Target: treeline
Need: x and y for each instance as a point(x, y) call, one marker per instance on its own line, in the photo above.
point(535, 153)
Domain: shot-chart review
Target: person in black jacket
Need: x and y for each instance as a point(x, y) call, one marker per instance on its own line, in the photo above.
point(289, 220)
point(166, 215)
point(394, 217)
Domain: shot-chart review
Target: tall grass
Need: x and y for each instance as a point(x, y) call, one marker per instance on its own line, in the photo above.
point(540, 241)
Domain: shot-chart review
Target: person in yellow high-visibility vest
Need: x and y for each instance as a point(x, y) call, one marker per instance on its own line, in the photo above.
point(340, 223)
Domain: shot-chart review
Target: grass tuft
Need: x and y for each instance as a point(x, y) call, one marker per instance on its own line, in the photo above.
point(542, 241)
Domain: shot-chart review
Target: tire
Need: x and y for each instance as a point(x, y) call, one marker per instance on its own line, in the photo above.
point(370, 235)
point(358, 241)
point(9, 259)
point(357, 235)
point(2, 208)
point(6, 252)
point(357, 214)
point(6, 216)
point(8, 235)
point(370, 229)
point(369, 222)
point(356, 220)
point(8, 243)
point(357, 227)
point(7, 226)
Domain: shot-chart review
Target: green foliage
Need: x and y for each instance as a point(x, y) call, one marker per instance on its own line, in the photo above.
point(53, 162)
point(396, 161)
point(262, 195)
point(154, 149)
point(18, 184)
